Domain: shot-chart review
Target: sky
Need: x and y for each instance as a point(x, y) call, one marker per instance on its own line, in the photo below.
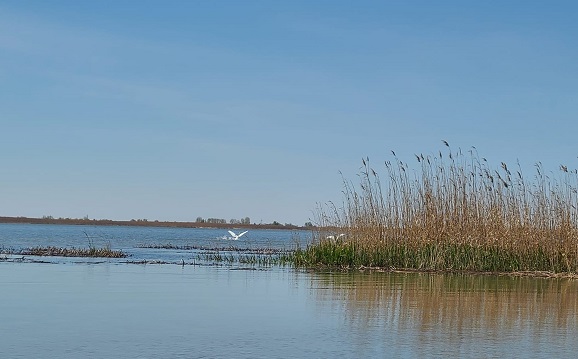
point(173, 110)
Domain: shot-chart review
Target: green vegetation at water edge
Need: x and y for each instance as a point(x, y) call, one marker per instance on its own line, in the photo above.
point(104, 252)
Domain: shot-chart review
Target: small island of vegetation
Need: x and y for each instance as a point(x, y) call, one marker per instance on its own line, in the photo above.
point(454, 213)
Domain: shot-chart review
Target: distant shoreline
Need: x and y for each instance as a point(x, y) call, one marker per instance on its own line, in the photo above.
point(143, 223)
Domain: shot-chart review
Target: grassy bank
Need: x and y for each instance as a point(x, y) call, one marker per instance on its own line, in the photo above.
point(452, 212)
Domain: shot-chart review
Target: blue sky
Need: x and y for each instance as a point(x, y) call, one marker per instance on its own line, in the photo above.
point(171, 110)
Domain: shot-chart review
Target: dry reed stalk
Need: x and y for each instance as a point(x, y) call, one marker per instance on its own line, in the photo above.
point(454, 212)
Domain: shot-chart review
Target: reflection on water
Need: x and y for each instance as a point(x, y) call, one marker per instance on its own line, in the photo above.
point(456, 315)
point(108, 309)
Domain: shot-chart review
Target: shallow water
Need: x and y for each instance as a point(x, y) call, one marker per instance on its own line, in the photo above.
point(136, 241)
point(69, 309)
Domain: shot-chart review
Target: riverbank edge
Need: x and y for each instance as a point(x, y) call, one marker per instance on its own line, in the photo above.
point(144, 223)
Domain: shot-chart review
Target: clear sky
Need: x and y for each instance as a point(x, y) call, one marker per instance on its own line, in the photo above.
point(171, 110)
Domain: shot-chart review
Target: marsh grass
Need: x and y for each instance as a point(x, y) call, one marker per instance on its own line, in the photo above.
point(454, 212)
point(231, 255)
point(92, 251)
point(255, 258)
point(104, 252)
point(262, 251)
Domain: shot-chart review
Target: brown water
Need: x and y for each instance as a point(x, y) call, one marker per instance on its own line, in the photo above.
point(168, 311)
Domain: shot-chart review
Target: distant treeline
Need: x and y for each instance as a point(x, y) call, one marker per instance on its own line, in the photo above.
point(209, 223)
point(245, 220)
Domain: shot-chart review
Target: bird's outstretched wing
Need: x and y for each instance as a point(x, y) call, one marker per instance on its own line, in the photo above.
point(242, 233)
point(232, 234)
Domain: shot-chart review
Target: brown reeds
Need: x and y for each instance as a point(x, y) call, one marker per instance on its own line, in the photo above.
point(450, 301)
point(454, 212)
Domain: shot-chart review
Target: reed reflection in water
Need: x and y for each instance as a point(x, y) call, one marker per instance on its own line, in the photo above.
point(448, 315)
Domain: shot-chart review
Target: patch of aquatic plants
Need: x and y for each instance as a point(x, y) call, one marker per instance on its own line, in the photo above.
point(4, 250)
point(105, 252)
point(144, 261)
point(216, 249)
point(453, 213)
point(231, 255)
point(258, 260)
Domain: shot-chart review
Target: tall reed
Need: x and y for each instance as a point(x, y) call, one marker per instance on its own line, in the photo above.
point(454, 212)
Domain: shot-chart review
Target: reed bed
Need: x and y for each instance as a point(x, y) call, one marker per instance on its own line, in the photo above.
point(453, 212)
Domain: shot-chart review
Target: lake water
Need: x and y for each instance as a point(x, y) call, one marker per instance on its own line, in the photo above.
point(70, 308)
point(136, 242)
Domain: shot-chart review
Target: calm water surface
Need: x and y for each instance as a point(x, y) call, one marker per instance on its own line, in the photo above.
point(136, 242)
point(71, 309)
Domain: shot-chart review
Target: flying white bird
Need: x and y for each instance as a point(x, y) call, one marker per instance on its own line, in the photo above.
point(235, 236)
point(332, 238)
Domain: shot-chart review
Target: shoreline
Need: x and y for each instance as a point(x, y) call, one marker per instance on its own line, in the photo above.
point(318, 268)
point(143, 223)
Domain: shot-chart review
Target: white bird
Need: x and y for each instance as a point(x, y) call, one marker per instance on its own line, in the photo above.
point(332, 238)
point(235, 236)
